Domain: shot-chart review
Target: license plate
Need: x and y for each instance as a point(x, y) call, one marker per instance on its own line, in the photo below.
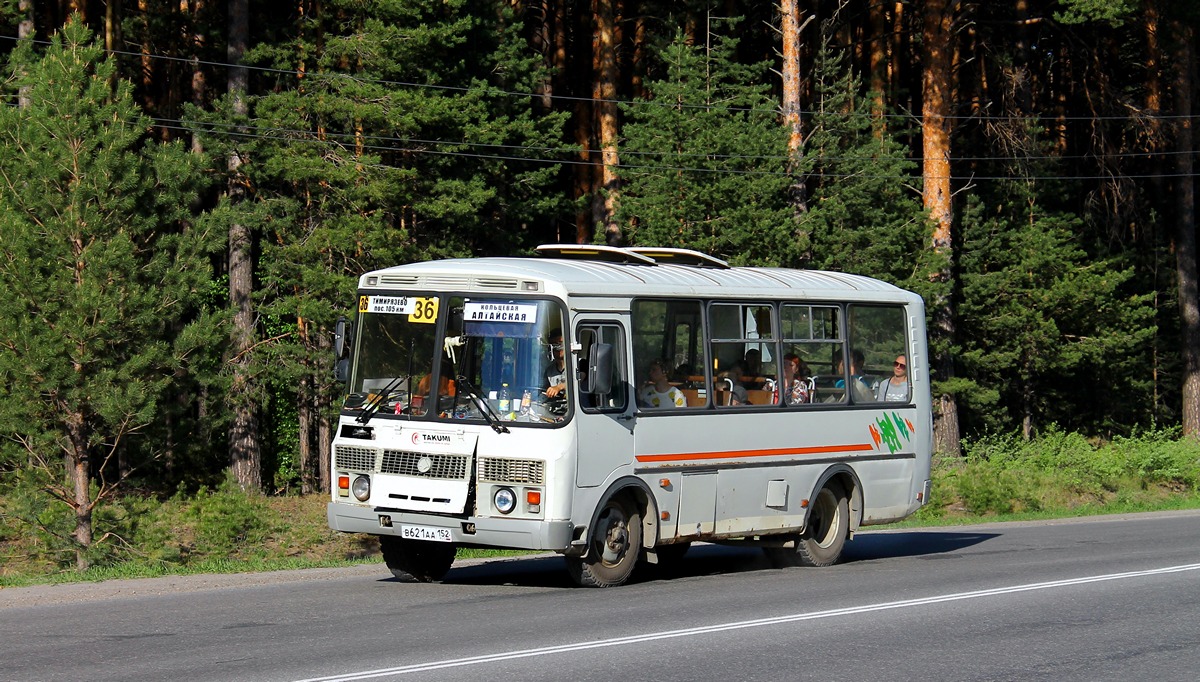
point(428, 533)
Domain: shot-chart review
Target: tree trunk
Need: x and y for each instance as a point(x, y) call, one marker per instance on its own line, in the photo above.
point(877, 64)
point(148, 72)
point(199, 87)
point(1022, 73)
point(937, 107)
point(606, 114)
point(244, 448)
point(584, 171)
point(1028, 395)
point(1156, 144)
point(1185, 237)
point(304, 410)
point(112, 25)
point(324, 427)
point(25, 31)
point(80, 463)
point(640, 57)
point(559, 61)
point(790, 13)
point(307, 423)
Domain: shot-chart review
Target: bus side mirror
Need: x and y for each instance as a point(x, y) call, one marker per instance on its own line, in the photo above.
point(341, 364)
point(340, 331)
point(599, 369)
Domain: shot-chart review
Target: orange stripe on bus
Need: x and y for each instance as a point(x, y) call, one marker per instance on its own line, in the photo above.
point(775, 452)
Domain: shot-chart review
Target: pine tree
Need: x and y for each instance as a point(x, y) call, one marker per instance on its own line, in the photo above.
point(386, 136)
point(863, 217)
point(98, 274)
point(1051, 333)
point(704, 159)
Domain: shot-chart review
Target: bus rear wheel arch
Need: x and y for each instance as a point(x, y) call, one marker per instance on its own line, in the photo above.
point(824, 535)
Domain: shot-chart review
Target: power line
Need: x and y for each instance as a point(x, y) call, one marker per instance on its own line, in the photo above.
point(646, 168)
point(572, 99)
point(301, 134)
point(570, 149)
point(275, 133)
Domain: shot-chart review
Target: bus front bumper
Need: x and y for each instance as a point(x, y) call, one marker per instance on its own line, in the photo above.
point(502, 533)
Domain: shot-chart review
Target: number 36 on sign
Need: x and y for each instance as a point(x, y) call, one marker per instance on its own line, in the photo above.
point(419, 310)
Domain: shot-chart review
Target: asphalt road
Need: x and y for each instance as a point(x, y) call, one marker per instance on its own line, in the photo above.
point(1108, 598)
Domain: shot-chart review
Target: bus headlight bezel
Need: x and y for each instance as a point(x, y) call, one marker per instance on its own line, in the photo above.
point(361, 488)
point(505, 500)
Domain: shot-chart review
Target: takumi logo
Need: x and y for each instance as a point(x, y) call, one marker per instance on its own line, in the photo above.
point(439, 438)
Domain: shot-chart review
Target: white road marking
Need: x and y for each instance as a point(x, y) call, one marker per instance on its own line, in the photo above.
point(723, 627)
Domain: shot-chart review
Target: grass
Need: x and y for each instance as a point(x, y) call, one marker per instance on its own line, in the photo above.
point(1000, 478)
point(215, 531)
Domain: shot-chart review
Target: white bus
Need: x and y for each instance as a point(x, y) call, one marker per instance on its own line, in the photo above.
point(507, 403)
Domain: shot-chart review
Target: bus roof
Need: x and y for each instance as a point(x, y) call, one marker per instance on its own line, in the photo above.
point(612, 271)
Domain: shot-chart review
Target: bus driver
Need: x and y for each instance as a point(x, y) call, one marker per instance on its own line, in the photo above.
point(556, 372)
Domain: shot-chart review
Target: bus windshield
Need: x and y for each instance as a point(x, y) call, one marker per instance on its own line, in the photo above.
point(497, 359)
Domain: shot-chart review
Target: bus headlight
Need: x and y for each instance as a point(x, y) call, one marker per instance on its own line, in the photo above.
point(361, 488)
point(505, 500)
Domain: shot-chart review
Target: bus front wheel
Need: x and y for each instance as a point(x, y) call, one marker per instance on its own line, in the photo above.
point(824, 537)
point(418, 560)
point(614, 545)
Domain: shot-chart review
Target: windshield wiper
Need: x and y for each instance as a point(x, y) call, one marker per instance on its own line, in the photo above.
point(485, 409)
point(370, 410)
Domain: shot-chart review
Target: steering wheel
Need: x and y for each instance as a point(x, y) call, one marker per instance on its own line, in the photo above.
point(556, 405)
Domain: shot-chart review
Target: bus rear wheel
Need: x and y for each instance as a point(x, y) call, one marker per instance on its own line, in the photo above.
point(614, 546)
point(824, 537)
point(418, 560)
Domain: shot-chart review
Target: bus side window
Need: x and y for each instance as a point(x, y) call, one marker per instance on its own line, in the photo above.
point(812, 333)
point(877, 335)
point(669, 332)
point(742, 338)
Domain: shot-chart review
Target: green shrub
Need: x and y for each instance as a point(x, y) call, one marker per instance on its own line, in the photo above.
point(225, 529)
point(229, 522)
point(39, 526)
point(1003, 473)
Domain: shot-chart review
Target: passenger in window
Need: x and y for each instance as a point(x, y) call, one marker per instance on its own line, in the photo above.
point(658, 391)
point(897, 388)
point(796, 389)
point(445, 381)
point(858, 385)
point(682, 372)
point(730, 381)
point(555, 374)
point(446, 387)
point(754, 362)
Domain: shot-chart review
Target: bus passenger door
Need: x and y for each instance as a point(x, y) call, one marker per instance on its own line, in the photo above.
point(605, 420)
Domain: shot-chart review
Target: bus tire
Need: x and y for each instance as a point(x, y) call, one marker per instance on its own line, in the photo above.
point(615, 543)
point(824, 536)
point(418, 560)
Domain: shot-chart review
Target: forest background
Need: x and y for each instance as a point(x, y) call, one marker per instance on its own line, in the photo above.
point(189, 190)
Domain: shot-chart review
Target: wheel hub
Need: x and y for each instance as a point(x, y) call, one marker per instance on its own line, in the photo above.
point(616, 540)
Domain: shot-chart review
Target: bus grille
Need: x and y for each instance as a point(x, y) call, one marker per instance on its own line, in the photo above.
point(356, 459)
point(452, 467)
point(512, 470)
